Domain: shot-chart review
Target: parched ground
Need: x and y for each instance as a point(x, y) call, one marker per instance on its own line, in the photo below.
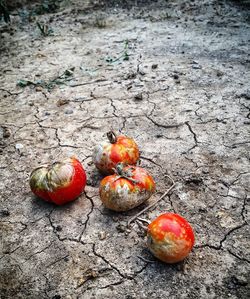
point(183, 94)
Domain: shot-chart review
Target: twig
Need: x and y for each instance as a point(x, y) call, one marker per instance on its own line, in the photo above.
point(87, 83)
point(153, 204)
point(145, 260)
point(143, 220)
point(11, 93)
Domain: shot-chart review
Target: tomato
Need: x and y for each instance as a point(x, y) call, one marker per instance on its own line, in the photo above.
point(126, 189)
point(119, 149)
point(60, 182)
point(170, 238)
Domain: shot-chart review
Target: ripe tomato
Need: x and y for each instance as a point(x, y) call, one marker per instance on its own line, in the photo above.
point(60, 182)
point(119, 149)
point(170, 238)
point(126, 189)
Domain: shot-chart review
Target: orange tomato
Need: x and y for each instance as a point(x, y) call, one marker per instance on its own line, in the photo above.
point(170, 238)
point(126, 189)
point(119, 149)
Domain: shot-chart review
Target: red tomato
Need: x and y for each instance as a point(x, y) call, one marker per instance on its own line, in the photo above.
point(60, 182)
point(119, 149)
point(170, 238)
point(127, 189)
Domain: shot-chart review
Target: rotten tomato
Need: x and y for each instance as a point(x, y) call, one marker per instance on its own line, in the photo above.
point(60, 182)
point(170, 238)
point(129, 187)
point(118, 149)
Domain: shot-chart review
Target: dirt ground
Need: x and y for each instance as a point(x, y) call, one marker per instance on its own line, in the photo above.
point(172, 74)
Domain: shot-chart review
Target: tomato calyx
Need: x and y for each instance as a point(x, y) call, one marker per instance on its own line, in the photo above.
point(112, 137)
point(122, 173)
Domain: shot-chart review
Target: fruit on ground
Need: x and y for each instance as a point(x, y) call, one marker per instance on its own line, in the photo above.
point(129, 187)
point(170, 238)
point(118, 149)
point(60, 182)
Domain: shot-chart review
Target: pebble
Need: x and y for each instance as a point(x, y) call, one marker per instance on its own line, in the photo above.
point(68, 111)
point(196, 66)
point(19, 146)
point(102, 235)
point(138, 83)
point(138, 97)
point(154, 66)
point(6, 132)
point(62, 102)
point(141, 72)
point(121, 228)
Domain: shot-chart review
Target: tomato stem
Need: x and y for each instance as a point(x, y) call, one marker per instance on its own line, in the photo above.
point(112, 137)
point(123, 173)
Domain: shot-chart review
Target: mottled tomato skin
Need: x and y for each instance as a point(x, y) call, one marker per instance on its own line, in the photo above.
point(121, 194)
point(66, 189)
point(107, 155)
point(170, 238)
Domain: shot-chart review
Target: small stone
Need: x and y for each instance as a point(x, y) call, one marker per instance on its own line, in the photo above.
point(62, 102)
point(38, 88)
point(41, 138)
point(19, 146)
point(102, 235)
point(196, 66)
point(46, 113)
point(138, 83)
point(68, 111)
point(138, 97)
point(176, 77)
point(6, 132)
point(141, 72)
point(121, 228)
point(219, 73)
point(130, 75)
point(154, 66)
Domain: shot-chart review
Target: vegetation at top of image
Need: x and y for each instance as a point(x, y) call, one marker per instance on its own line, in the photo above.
point(28, 14)
point(4, 12)
point(47, 6)
point(50, 84)
point(44, 29)
point(124, 54)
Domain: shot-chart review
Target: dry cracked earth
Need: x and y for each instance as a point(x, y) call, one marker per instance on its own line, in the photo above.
point(175, 76)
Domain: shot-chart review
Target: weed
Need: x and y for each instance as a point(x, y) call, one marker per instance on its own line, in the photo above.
point(44, 29)
point(124, 54)
point(100, 22)
point(59, 80)
point(47, 6)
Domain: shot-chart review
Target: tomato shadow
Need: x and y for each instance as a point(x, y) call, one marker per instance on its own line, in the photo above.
point(38, 203)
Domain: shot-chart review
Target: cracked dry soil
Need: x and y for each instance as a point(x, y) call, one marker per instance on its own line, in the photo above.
point(183, 95)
